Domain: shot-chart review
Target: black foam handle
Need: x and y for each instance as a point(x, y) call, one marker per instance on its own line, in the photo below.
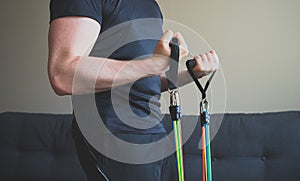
point(190, 64)
point(172, 73)
point(174, 41)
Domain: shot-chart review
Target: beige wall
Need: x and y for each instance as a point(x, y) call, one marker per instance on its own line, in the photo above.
point(23, 66)
point(258, 42)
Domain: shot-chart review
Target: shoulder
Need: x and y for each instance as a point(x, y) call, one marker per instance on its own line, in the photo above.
point(85, 8)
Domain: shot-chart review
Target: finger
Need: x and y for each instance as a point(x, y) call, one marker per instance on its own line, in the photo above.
point(179, 37)
point(210, 57)
point(212, 51)
point(182, 44)
point(181, 40)
point(200, 64)
point(167, 36)
point(204, 58)
point(197, 58)
point(199, 61)
point(214, 60)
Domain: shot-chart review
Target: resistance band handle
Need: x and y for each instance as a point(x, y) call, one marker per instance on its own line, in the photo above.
point(172, 73)
point(190, 64)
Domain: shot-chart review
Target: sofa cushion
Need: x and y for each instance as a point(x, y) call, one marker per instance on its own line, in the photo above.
point(247, 147)
point(37, 147)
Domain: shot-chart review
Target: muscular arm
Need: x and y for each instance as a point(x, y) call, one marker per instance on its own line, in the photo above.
point(70, 41)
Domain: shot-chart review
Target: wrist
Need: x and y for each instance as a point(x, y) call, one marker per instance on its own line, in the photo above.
point(156, 65)
point(198, 74)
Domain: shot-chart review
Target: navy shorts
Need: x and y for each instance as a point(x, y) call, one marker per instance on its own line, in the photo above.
point(101, 168)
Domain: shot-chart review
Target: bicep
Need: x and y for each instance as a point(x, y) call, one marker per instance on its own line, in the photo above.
point(71, 36)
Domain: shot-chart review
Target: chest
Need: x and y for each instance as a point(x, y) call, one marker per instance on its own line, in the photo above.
point(115, 12)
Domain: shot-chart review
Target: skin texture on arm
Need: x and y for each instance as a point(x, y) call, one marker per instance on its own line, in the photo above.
point(70, 41)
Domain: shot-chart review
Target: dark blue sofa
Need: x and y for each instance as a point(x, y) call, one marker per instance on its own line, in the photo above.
point(247, 147)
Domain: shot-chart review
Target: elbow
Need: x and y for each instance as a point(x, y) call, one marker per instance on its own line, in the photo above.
point(59, 83)
point(60, 75)
point(58, 86)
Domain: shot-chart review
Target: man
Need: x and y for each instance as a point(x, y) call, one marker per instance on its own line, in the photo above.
point(80, 35)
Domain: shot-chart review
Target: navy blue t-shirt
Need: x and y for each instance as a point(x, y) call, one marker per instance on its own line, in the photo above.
point(129, 30)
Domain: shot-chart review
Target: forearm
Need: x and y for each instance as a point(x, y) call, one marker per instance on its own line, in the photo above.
point(92, 74)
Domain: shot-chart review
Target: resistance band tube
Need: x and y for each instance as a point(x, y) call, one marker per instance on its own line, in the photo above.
point(206, 149)
point(204, 175)
point(175, 107)
point(205, 120)
point(178, 144)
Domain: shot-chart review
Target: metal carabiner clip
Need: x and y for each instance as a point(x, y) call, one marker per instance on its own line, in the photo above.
point(174, 97)
point(204, 106)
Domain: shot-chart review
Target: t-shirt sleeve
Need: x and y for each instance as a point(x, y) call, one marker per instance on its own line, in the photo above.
point(85, 8)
